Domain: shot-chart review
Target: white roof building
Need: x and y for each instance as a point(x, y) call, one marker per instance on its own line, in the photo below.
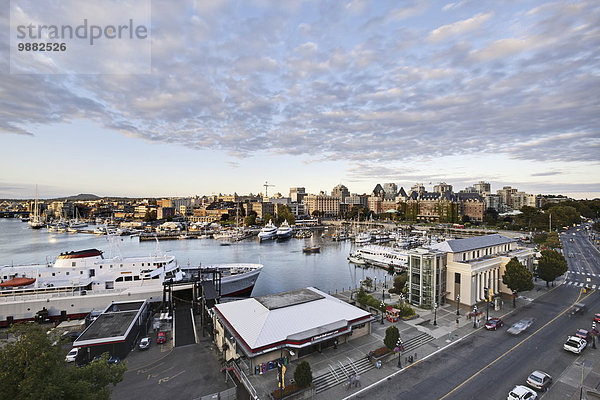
point(301, 320)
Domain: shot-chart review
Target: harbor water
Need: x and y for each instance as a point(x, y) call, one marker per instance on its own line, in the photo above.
point(286, 267)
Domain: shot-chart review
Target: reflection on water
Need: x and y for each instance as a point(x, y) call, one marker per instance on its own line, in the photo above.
point(286, 267)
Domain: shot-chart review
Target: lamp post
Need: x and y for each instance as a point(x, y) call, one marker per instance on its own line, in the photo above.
point(457, 304)
point(402, 299)
point(382, 308)
point(399, 345)
point(474, 316)
point(435, 306)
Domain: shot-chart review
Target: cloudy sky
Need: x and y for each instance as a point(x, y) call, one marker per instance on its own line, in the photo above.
point(318, 93)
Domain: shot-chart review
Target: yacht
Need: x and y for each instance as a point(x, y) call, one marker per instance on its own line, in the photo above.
point(363, 237)
point(36, 221)
point(284, 231)
point(269, 232)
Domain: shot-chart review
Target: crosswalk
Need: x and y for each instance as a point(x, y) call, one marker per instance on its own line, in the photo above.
point(579, 284)
point(583, 273)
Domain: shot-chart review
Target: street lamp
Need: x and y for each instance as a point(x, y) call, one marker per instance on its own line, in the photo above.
point(402, 299)
point(457, 304)
point(382, 308)
point(399, 345)
point(435, 314)
point(474, 316)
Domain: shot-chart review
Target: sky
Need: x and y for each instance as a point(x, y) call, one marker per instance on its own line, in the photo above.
point(313, 94)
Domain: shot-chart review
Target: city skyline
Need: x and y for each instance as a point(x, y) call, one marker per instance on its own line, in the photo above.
point(313, 95)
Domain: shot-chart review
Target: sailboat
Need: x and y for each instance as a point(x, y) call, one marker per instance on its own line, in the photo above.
point(36, 221)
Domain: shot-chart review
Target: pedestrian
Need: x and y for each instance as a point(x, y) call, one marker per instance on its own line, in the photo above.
point(457, 322)
point(349, 382)
point(357, 381)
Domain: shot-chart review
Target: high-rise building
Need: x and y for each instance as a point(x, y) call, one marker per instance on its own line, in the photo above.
point(442, 187)
point(297, 194)
point(483, 187)
point(340, 191)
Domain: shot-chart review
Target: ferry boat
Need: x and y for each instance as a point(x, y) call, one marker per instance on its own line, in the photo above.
point(379, 256)
point(79, 281)
point(269, 232)
point(284, 231)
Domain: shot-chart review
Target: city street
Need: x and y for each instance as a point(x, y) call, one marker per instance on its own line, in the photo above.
point(488, 364)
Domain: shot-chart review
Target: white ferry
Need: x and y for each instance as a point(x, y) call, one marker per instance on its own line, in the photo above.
point(79, 281)
point(379, 256)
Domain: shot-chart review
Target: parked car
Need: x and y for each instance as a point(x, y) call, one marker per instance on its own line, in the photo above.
point(493, 323)
point(114, 360)
point(539, 380)
point(521, 392)
point(520, 326)
point(72, 355)
point(144, 343)
point(161, 338)
point(582, 333)
point(597, 318)
point(575, 344)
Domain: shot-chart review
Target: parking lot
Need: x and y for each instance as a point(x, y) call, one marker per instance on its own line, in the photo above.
point(164, 372)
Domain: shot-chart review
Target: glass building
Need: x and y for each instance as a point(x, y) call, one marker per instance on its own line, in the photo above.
point(426, 277)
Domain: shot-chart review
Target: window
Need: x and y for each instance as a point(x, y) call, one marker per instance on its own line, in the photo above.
point(119, 279)
point(53, 274)
point(73, 263)
point(67, 272)
point(80, 272)
point(136, 278)
point(128, 278)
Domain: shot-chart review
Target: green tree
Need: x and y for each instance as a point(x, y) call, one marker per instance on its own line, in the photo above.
point(150, 216)
point(285, 214)
point(540, 238)
point(391, 337)
point(391, 270)
point(517, 277)
point(552, 240)
point(267, 217)
point(250, 220)
point(368, 282)
point(491, 216)
point(399, 283)
point(551, 266)
point(361, 296)
point(34, 368)
point(303, 374)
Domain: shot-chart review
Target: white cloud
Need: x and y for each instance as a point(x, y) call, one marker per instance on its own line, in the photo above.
point(458, 28)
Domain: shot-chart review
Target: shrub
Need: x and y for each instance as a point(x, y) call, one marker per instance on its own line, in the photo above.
point(391, 337)
point(303, 374)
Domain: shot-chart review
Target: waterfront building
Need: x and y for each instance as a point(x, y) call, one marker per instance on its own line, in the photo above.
point(472, 206)
point(476, 263)
point(426, 284)
point(492, 200)
point(357, 199)
point(165, 212)
point(417, 188)
point(390, 191)
point(375, 203)
point(291, 324)
point(329, 206)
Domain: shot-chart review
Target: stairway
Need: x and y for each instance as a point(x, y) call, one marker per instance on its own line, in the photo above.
point(338, 374)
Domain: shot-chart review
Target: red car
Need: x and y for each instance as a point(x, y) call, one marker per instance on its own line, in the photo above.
point(161, 338)
point(493, 324)
point(582, 333)
point(597, 317)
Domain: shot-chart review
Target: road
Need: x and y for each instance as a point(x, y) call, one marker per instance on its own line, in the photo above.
point(486, 365)
point(584, 265)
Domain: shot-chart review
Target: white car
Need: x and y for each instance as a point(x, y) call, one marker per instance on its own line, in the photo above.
point(72, 355)
point(521, 392)
point(575, 344)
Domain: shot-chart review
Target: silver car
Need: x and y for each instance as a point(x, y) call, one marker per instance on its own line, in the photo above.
point(539, 380)
point(520, 326)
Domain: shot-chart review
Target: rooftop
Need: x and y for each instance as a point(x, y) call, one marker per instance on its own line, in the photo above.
point(291, 318)
point(472, 243)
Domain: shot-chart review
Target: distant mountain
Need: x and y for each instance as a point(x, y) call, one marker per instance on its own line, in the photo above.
point(82, 196)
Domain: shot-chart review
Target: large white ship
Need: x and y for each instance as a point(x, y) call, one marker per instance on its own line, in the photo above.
point(380, 256)
point(80, 281)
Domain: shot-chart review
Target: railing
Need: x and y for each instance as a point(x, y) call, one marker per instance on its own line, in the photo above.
point(245, 381)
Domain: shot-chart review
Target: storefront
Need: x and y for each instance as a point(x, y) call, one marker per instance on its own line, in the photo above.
point(285, 326)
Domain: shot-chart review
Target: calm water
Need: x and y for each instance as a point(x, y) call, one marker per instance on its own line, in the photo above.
point(285, 266)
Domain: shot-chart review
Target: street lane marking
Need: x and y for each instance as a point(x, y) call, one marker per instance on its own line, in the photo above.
point(517, 345)
point(168, 378)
